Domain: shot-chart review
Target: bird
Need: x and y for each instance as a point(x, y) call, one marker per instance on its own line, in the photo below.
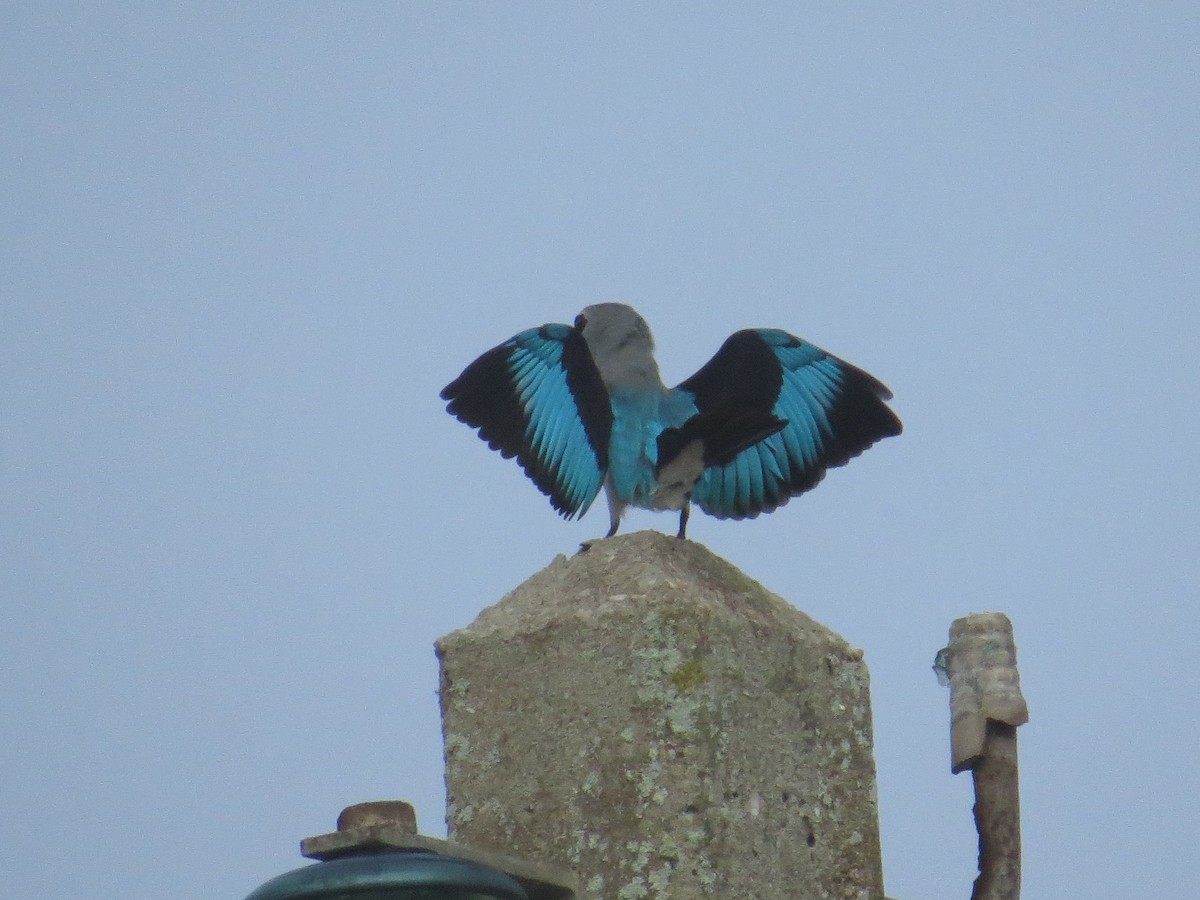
point(583, 407)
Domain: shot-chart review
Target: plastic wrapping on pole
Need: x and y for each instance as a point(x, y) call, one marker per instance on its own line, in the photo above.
point(986, 706)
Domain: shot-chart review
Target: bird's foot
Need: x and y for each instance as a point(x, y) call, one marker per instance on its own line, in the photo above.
point(684, 512)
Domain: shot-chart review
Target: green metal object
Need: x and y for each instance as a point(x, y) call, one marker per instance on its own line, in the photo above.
point(392, 876)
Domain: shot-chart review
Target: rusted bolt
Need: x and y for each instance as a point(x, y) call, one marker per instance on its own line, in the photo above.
point(395, 813)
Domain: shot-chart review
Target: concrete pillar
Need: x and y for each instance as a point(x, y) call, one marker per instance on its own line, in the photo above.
point(651, 718)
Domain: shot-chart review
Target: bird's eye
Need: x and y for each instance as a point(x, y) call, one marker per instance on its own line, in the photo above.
point(580, 322)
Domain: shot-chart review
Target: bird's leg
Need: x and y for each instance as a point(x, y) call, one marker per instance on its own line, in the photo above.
point(683, 517)
point(615, 508)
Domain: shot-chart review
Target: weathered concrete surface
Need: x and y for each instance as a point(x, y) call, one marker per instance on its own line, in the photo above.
point(653, 719)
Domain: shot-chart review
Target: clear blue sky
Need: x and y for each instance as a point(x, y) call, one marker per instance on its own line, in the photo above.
point(244, 246)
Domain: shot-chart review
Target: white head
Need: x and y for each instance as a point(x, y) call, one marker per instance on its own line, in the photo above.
point(621, 345)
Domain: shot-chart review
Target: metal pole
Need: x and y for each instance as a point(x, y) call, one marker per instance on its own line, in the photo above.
point(986, 706)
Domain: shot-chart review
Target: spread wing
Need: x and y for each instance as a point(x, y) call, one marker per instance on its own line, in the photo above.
point(833, 410)
point(539, 397)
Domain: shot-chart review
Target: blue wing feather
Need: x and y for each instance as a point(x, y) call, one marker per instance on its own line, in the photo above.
point(539, 397)
point(833, 410)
